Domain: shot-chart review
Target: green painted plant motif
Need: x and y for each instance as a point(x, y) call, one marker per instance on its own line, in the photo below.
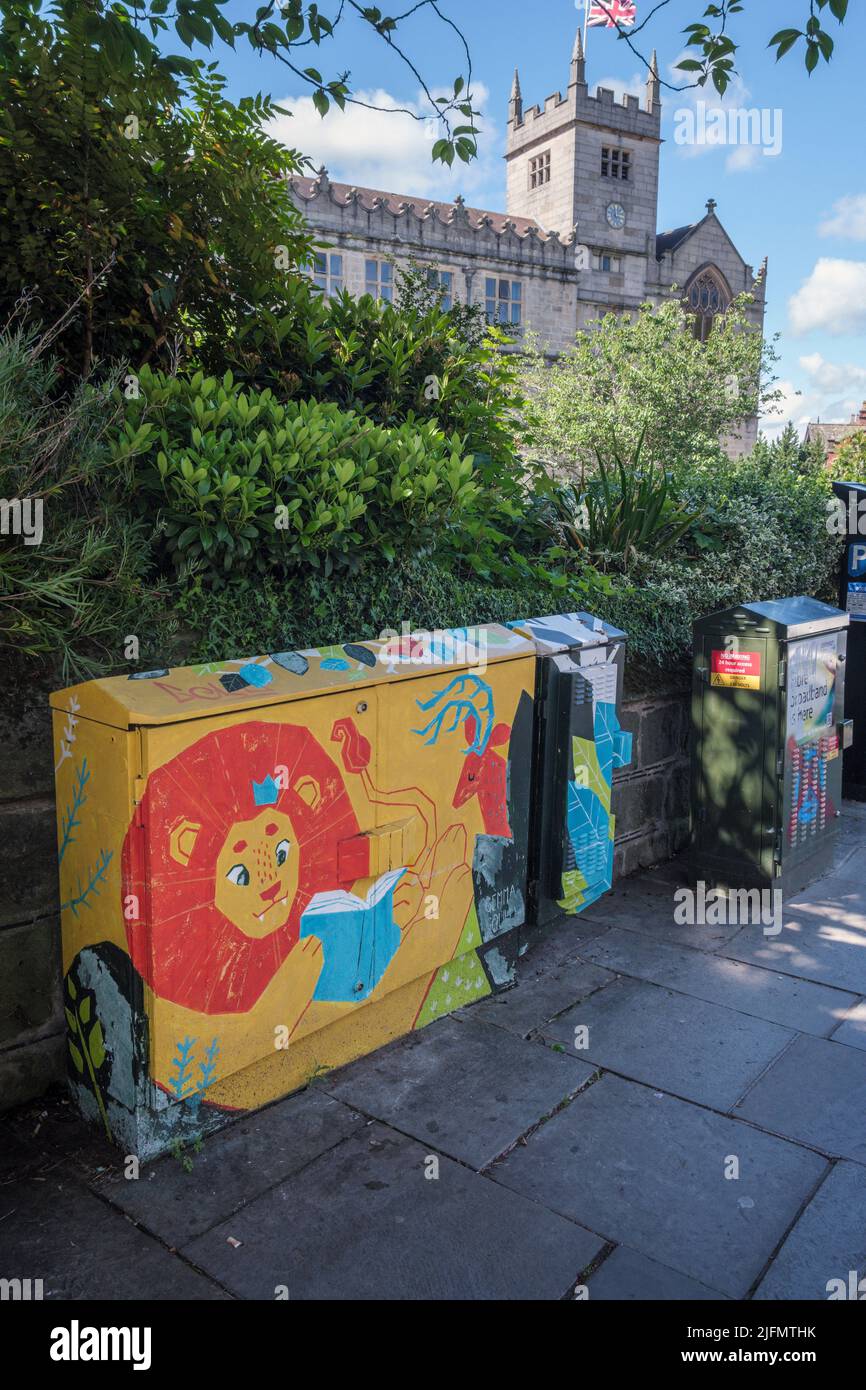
point(86, 1042)
point(88, 886)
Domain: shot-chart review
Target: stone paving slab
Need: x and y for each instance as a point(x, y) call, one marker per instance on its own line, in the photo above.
point(468, 1089)
point(651, 913)
point(827, 1243)
point(647, 1170)
point(815, 945)
point(233, 1167)
point(852, 1029)
point(537, 998)
point(628, 1276)
point(558, 943)
point(842, 897)
point(815, 1093)
point(363, 1222)
point(693, 1049)
point(82, 1249)
point(781, 999)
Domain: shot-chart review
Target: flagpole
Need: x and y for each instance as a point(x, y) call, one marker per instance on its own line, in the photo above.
point(586, 4)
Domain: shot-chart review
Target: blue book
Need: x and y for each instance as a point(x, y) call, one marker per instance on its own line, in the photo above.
point(359, 938)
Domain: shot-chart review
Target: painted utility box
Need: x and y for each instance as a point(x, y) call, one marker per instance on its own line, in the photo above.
point(269, 867)
point(578, 744)
point(768, 729)
point(852, 598)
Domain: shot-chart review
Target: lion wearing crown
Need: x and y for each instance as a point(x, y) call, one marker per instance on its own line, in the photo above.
point(245, 829)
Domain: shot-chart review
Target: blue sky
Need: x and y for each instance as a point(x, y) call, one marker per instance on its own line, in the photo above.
point(804, 208)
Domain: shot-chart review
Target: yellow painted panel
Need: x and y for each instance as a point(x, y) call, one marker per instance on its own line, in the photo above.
point(259, 893)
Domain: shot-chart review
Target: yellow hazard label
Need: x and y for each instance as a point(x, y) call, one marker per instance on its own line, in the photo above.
point(738, 682)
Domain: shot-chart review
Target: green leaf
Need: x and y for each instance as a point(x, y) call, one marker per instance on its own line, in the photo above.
point(96, 1045)
point(786, 43)
point(826, 45)
point(84, 1009)
point(76, 1056)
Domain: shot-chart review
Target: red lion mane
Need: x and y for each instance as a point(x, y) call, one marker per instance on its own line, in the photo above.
point(182, 945)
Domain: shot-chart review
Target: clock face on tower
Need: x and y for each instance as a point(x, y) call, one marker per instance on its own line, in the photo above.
point(616, 216)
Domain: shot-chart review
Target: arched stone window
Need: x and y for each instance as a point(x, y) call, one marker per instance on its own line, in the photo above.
point(706, 297)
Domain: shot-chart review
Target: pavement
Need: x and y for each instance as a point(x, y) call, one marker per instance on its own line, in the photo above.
point(655, 1112)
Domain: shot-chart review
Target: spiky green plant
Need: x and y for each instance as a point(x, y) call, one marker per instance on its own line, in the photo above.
point(625, 509)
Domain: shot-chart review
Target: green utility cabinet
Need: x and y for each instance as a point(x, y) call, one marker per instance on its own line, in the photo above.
point(768, 729)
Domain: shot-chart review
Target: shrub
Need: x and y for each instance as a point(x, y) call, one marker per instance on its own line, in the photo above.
point(151, 216)
point(243, 483)
point(625, 510)
point(762, 534)
point(73, 596)
point(390, 362)
point(646, 373)
point(306, 610)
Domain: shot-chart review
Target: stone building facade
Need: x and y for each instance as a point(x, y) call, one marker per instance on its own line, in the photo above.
point(578, 238)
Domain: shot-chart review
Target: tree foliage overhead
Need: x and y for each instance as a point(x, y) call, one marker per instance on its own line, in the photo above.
point(148, 220)
point(125, 37)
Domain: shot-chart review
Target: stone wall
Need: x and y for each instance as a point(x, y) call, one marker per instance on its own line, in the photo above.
point(650, 804)
point(31, 1030)
point(651, 796)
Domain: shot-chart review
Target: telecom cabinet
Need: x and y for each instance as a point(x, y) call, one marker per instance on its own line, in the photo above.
point(768, 731)
point(578, 745)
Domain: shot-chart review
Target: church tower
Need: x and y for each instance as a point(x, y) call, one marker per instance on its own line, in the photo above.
point(588, 161)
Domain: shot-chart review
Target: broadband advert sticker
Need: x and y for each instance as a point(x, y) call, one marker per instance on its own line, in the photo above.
point(739, 670)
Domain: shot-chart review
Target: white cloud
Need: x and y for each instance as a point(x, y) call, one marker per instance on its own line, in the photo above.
point(833, 298)
point(830, 391)
point(743, 158)
point(390, 150)
point(848, 219)
point(834, 377)
point(793, 408)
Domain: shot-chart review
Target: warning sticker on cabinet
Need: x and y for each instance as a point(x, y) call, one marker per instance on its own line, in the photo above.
point(740, 670)
point(857, 601)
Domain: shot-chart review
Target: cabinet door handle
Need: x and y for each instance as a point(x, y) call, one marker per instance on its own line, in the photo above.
point(374, 852)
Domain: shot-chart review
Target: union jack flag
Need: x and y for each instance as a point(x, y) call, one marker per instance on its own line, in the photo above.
point(612, 13)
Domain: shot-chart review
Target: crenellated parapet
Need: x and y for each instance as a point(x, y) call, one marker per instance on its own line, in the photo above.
point(447, 229)
point(627, 116)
